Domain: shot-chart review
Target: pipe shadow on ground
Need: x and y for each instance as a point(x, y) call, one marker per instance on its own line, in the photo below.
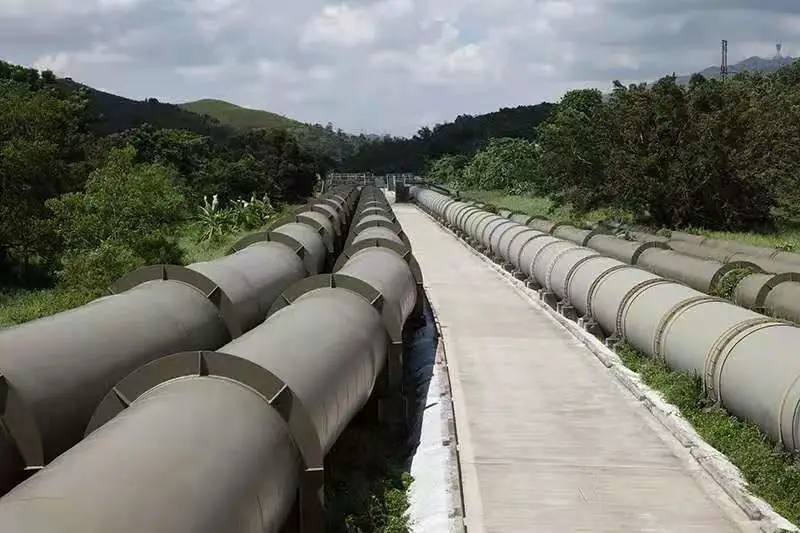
point(367, 470)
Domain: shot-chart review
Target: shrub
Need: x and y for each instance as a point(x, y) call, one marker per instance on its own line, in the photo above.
point(127, 216)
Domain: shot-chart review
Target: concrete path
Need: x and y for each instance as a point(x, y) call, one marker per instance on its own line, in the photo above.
point(548, 440)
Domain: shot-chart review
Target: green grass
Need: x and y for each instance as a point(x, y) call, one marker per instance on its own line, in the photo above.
point(771, 473)
point(787, 238)
point(19, 306)
point(239, 117)
point(536, 205)
point(367, 481)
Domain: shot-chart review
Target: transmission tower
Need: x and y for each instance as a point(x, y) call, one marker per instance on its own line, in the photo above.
point(723, 68)
point(778, 50)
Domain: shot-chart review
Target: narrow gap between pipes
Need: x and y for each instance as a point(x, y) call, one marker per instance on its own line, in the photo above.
point(367, 473)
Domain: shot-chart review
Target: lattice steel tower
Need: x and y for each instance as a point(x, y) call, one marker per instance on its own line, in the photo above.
point(723, 68)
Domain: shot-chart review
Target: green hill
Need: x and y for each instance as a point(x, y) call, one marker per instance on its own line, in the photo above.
point(116, 113)
point(239, 117)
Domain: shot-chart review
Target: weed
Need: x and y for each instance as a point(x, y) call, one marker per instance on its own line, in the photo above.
point(726, 286)
point(771, 473)
point(367, 481)
point(22, 306)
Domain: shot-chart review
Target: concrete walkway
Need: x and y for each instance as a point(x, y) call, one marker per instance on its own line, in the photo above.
point(548, 440)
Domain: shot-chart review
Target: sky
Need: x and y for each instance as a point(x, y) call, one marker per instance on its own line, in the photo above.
point(383, 66)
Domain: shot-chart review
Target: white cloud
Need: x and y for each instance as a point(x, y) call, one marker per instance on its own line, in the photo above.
point(64, 63)
point(340, 25)
point(383, 65)
point(24, 8)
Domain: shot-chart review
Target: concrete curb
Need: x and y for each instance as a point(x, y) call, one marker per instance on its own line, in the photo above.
point(450, 439)
point(726, 475)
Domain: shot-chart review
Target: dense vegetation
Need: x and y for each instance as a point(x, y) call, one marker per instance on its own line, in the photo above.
point(462, 137)
point(239, 117)
point(78, 207)
point(712, 154)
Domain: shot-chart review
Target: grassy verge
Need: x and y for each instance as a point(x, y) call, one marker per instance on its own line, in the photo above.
point(787, 238)
point(536, 205)
point(771, 473)
point(19, 306)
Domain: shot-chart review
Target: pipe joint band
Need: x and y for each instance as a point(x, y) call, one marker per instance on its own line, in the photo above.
point(548, 278)
point(674, 312)
point(647, 246)
point(571, 273)
point(630, 296)
point(721, 349)
point(596, 282)
point(392, 322)
point(192, 278)
point(403, 252)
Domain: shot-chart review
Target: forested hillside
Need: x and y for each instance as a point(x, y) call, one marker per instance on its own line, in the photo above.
point(462, 137)
point(79, 207)
point(712, 154)
point(113, 113)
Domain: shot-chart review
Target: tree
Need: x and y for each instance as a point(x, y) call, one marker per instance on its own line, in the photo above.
point(448, 169)
point(127, 216)
point(507, 164)
point(42, 146)
point(574, 149)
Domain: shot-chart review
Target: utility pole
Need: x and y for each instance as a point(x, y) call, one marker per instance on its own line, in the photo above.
point(723, 68)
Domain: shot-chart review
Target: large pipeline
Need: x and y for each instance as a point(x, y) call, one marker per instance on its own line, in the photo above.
point(713, 270)
point(772, 286)
point(747, 361)
point(56, 369)
point(275, 400)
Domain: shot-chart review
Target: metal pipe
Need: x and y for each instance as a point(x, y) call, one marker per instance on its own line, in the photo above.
point(747, 361)
point(250, 285)
point(625, 251)
point(279, 414)
point(700, 274)
point(157, 468)
point(56, 369)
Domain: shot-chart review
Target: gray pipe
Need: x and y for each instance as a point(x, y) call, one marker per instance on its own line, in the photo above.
point(528, 254)
point(543, 225)
point(251, 287)
point(699, 274)
point(156, 469)
point(545, 259)
point(571, 233)
point(518, 246)
point(337, 337)
point(563, 267)
point(486, 227)
point(625, 251)
point(322, 223)
point(57, 368)
point(747, 361)
point(494, 233)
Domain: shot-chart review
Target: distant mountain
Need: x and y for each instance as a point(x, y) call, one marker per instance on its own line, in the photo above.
point(239, 117)
point(751, 64)
point(118, 113)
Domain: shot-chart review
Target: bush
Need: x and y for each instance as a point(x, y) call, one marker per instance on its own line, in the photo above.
point(127, 216)
point(213, 222)
point(99, 267)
